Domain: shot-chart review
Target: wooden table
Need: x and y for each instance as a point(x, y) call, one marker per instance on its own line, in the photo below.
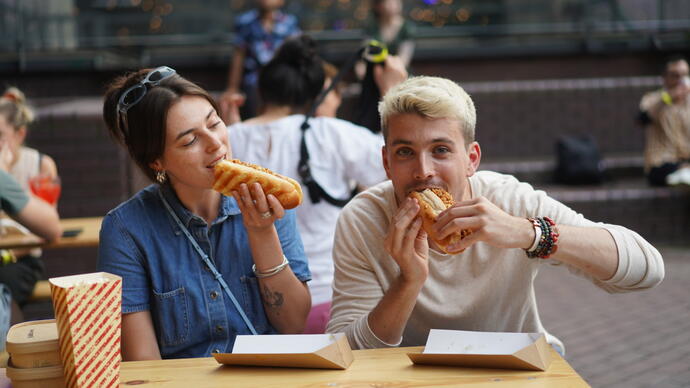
point(371, 368)
point(88, 237)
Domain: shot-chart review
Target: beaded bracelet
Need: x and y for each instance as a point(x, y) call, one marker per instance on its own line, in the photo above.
point(548, 241)
point(271, 271)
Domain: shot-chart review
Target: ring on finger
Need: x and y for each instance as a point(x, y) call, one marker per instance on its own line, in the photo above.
point(266, 214)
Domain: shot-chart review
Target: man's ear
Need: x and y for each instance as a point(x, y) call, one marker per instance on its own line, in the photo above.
point(384, 158)
point(474, 154)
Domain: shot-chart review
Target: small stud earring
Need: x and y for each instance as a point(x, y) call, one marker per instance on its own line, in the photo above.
point(160, 176)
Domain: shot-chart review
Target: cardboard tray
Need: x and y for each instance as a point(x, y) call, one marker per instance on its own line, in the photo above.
point(320, 351)
point(523, 351)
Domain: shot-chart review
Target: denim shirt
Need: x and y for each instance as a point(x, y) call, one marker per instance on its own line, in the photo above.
point(163, 273)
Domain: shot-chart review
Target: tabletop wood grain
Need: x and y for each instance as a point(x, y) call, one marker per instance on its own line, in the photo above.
point(88, 236)
point(371, 368)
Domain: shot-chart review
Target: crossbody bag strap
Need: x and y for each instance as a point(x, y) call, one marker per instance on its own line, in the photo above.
point(316, 192)
point(207, 261)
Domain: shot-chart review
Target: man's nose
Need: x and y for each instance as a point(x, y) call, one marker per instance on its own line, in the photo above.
point(424, 168)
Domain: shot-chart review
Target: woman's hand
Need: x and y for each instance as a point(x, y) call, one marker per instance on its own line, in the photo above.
point(259, 210)
point(230, 103)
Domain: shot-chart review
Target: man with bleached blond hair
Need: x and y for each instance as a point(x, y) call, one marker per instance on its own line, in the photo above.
point(393, 283)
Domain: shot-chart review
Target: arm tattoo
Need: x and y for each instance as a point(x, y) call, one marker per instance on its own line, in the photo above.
point(273, 300)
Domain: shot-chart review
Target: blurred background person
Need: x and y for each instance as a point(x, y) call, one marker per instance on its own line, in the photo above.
point(341, 155)
point(18, 277)
point(36, 173)
point(390, 27)
point(258, 33)
point(666, 116)
point(15, 118)
point(330, 104)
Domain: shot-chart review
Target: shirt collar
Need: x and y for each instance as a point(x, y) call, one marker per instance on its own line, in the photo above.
point(228, 207)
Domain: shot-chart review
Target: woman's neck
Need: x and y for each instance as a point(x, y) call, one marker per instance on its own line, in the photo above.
point(271, 113)
point(201, 202)
point(15, 157)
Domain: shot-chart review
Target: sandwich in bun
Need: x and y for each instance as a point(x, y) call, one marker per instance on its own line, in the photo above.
point(432, 202)
point(229, 174)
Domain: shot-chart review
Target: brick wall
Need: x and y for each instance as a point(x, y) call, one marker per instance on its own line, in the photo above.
point(526, 120)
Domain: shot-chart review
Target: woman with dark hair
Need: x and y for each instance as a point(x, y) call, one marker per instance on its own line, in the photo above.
point(198, 268)
point(341, 155)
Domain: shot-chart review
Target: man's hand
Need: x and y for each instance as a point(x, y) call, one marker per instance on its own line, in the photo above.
point(488, 223)
point(390, 74)
point(407, 243)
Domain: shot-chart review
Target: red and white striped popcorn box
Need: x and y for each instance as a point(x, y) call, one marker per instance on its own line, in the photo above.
point(88, 311)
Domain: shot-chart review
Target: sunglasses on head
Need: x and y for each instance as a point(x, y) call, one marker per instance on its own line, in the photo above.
point(136, 92)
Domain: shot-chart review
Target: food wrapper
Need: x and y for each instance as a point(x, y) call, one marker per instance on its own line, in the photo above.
point(88, 312)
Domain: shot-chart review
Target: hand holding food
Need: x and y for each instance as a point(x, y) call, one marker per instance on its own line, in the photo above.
point(230, 174)
point(432, 202)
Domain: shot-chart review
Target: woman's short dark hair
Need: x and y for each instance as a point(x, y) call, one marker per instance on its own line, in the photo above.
point(294, 77)
point(146, 120)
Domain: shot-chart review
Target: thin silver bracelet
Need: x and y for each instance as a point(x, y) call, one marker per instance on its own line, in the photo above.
point(273, 271)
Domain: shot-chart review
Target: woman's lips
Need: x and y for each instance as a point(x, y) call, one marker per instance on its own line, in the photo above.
point(216, 161)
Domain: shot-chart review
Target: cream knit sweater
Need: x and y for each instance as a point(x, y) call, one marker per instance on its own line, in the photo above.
point(484, 288)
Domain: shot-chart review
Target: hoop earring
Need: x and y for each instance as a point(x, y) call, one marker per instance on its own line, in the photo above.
point(161, 177)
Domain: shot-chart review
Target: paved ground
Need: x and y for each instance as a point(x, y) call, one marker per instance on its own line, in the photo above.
point(631, 340)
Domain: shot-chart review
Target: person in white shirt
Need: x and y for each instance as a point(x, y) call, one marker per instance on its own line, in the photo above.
point(392, 283)
point(342, 156)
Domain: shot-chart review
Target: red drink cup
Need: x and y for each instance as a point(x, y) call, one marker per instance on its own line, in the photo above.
point(46, 188)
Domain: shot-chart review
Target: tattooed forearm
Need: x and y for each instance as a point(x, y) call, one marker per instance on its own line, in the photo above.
point(273, 300)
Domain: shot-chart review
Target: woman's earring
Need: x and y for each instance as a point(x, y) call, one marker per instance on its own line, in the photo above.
point(160, 176)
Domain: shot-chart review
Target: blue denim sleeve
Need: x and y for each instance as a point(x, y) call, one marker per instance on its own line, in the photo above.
point(117, 254)
point(291, 242)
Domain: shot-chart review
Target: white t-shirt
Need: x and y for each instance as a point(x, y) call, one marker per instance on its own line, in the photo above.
point(27, 166)
point(484, 288)
point(341, 155)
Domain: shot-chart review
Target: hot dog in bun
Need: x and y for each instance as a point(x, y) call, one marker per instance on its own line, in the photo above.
point(229, 174)
point(432, 202)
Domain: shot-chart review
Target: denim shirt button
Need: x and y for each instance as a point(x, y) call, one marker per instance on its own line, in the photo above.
point(214, 294)
point(219, 329)
point(216, 351)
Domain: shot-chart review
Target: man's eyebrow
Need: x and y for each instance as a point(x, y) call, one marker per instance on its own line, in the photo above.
point(401, 141)
point(442, 140)
point(434, 140)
